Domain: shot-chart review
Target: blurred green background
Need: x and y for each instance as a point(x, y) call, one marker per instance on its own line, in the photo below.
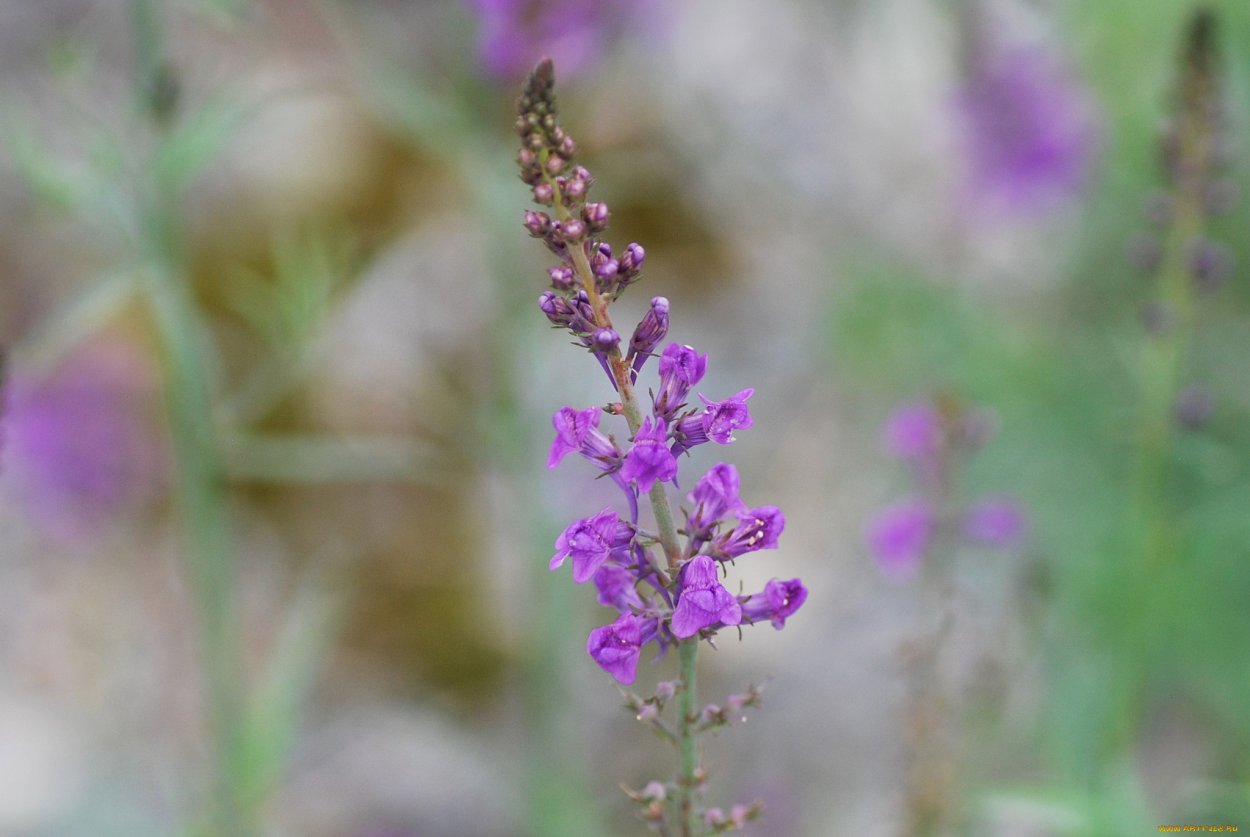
point(274, 516)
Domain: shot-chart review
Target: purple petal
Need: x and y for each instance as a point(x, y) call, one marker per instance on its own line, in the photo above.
point(995, 522)
point(899, 535)
point(616, 647)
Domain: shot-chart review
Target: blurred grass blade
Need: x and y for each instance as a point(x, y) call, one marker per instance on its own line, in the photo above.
point(310, 459)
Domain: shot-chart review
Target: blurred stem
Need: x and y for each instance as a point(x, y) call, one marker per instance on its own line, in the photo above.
point(199, 471)
point(1163, 360)
point(1166, 351)
point(931, 781)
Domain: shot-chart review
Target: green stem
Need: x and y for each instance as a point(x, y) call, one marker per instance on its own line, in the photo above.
point(199, 468)
point(688, 777)
point(688, 743)
point(203, 508)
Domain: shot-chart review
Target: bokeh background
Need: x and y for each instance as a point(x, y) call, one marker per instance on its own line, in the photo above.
point(275, 514)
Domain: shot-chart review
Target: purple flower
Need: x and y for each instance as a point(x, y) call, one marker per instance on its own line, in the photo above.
point(652, 328)
point(722, 418)
point(513, 34)
point(714, 496)
point(80, 444)
point(899, 536)
point(616, 647)
point(777, 603)
point(578, 430)
point(649, 460)
point(703, 600)
point(995, 522)
point(616, 588)
point(914, 431)
point(681, 368)
point(1029, 136)
point(759, 529)
point(589, 541)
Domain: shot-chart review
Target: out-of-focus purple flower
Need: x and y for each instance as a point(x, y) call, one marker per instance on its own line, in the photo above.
point(995, 522)
point(1195, 404)
point(616, 647)
point(79, 443)
point(722, 418)
point(703, 601)
point(714, 495)
point(589, 541)
point(578, 430)
point(513, 34)
point(914, 431)
point(760, 528)
point(649, 460)
point(777, 603)
point(899, 535)
point(1029, 133)
point(616, 587)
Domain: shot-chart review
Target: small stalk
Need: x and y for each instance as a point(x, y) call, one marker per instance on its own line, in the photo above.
point(203, 503)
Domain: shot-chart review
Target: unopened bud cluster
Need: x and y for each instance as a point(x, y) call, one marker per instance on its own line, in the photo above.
point(1195, 152)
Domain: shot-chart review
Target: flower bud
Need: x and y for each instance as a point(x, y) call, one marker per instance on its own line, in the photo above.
point(605, 340)
point(596, 216)
point(561, 277)
point(652, 328)
point(537, 223)
point(1210, 264)
point(573, 189)
point(631, 262)
point(557, 309)
point(573, 231)
point(1194, 406)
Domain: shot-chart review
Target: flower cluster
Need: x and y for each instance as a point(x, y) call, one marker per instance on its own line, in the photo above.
point(663, 592)
point(933, 438)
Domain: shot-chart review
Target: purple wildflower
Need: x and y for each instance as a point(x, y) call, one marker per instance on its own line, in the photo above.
point(681, 368)
point(578, 430)
point(714, 496)
point(1028, 132)
point(683, 598)
point(900, 535)
point(616, 647)
point(778, 602)
point(649, 460)
point(513, 34)
point(722, 418)
point(79, 443)
point(650, 331)
point(914, 431)
point(995, 522)
point(616, 588)
point(759, 529)
point(689, 432)
point(589, 541)
point(703, 601)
